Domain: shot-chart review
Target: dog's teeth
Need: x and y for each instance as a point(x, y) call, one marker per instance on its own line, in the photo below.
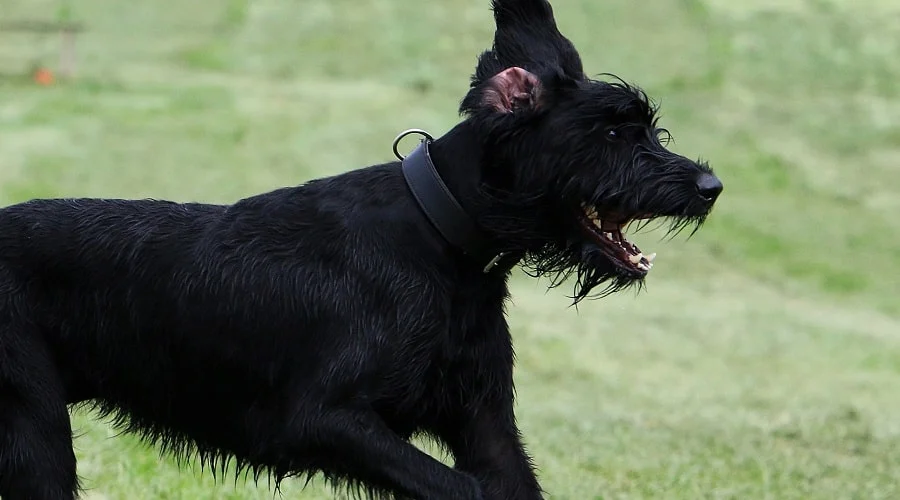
point(597, 222)
point(650, 257)
point(609, 235)
point(643, 267)
point(635, 259)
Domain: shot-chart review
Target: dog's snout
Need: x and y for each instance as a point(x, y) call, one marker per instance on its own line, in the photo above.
point(709, 187)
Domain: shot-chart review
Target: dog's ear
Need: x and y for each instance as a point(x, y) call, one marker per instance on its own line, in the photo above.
point(527, 37)
point(512, 89)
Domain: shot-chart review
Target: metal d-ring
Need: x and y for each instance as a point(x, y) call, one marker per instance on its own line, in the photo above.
point(496, 260)
point(405, 133)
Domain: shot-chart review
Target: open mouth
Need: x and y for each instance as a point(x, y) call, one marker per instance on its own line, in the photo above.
point(607, 234)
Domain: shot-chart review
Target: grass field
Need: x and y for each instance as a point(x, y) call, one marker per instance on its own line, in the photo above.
point(763, 360)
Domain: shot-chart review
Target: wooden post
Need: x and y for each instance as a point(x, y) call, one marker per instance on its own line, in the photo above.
point(67, 57)
point(67, 31)
point(66, 40)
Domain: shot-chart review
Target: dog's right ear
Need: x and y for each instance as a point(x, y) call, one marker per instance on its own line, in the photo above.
point(512, 89)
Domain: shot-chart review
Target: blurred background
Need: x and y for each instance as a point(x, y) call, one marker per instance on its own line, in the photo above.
point(762, 361)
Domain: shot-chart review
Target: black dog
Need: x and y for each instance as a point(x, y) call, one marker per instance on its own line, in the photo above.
point(315, 329)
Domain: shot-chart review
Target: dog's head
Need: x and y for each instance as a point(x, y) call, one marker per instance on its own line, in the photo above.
point(572, 160)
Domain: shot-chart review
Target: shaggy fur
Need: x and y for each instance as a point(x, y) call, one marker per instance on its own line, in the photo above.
point(315, 329)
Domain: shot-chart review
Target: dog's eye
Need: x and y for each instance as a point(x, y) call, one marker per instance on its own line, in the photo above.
point(612, 134)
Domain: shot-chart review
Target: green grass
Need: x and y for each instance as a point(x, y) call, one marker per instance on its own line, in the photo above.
point(762, 362)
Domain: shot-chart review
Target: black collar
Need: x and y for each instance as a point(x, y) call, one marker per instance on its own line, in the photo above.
point(444, 211)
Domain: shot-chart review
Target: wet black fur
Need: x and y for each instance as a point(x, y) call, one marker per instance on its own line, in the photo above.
point(314, 329)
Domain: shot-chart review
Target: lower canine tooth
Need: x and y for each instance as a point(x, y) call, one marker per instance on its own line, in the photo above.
point(650, 257)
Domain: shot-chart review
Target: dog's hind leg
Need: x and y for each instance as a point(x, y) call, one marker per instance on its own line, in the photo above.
point(360, 446)
point(36, 457)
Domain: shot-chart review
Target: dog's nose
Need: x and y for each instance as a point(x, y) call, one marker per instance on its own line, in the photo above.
point(709, 186)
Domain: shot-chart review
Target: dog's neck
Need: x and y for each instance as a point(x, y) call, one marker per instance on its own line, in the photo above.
point(458, 159)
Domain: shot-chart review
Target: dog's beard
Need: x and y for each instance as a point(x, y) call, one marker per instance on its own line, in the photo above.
point(554, 246)
point(594, 274)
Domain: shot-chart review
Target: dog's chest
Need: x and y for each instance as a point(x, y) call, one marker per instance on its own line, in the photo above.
point(461, 359)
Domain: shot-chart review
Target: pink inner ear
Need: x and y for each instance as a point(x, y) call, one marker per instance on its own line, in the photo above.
point(511, 89)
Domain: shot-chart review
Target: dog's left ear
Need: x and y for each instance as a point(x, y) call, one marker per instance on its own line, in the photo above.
point(527, 43)
point(527, 37)
point(512, 89)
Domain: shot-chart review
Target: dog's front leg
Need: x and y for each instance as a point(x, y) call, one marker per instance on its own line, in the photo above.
point(480, 429)
point(489, 447)
point(358, 446)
